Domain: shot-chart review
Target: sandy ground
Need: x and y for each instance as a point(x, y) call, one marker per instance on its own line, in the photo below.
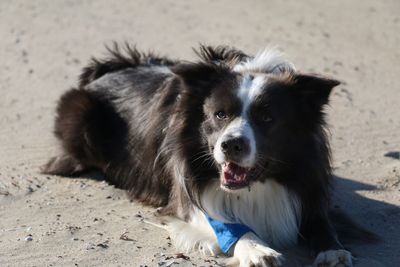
point(79, 222)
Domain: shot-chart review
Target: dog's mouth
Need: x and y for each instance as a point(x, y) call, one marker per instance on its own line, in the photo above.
point(236, 177)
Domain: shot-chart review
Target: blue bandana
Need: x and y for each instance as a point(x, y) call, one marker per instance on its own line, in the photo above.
point(227, 233)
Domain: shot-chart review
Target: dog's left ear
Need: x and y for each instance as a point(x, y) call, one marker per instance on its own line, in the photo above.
point(198, 75)
point(314, 89)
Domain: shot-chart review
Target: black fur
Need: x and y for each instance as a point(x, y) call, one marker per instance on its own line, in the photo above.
point(220, 54)
point(119, 59)
point(136, 117)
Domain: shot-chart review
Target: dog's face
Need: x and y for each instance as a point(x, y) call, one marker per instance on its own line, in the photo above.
point(254, 122)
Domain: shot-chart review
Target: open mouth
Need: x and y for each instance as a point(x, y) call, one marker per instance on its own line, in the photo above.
point(236, 177)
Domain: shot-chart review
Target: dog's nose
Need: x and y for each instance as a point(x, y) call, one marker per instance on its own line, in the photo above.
point(235, 148)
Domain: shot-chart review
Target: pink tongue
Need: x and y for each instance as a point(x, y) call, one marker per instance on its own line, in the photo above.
point(234, 173)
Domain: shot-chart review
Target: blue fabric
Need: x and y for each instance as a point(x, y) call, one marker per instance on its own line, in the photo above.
point(227, 233)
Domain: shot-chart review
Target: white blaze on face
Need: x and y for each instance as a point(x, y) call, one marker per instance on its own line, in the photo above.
point(249, 89)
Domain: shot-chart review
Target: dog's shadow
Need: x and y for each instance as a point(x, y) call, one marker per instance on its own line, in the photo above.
point(376, 216)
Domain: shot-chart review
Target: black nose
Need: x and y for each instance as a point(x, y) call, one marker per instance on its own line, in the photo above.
point(235, 148)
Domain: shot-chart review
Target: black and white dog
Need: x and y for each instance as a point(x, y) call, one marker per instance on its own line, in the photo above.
point(233, 138)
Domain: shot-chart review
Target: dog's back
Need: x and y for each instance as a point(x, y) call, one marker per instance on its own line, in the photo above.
point(122, 105)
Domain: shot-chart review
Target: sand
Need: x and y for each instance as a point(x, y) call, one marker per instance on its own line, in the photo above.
point(56, 221)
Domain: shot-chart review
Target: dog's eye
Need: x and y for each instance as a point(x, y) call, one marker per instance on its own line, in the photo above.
point(266, 118)
point(221, 115)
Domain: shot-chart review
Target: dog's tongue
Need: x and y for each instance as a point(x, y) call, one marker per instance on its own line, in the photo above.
point(234, 175)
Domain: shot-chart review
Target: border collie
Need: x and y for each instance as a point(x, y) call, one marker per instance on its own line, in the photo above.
point(232, 148)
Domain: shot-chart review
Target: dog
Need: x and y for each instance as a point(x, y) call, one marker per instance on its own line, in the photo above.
point(231, 144)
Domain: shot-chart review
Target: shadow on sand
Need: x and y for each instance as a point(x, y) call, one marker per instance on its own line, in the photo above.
point(380, 218)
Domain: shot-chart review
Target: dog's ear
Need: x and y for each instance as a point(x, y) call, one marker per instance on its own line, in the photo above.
point(314, 90)
point(198, 75)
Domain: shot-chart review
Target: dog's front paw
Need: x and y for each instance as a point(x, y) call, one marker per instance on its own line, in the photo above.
point(333, 258)
point(252, 252)
point(260, 256)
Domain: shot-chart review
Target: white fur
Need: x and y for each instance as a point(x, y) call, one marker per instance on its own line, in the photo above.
point(266, 61)
point(250, 88)
point(195, 235)
point(240, 127)
point(250, 250)
point(190, 236)
point(267, 208)
point(333, 258)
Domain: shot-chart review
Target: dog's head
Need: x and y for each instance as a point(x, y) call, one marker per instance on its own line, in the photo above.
point(256, 113)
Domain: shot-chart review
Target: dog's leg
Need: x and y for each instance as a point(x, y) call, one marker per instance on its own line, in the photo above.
point(251, 251)
point(323, 240)
point(91, 132)
point(333, 258)
point(190, 236)
point(63, 165)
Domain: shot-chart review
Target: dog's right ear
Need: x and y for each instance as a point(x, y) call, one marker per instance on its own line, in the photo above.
point(199, 75)
point(314, 90)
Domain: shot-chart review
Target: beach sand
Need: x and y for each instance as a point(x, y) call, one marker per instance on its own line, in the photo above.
point(56, 221)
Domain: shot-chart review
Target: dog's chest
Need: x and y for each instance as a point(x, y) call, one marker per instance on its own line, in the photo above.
point(268, 208)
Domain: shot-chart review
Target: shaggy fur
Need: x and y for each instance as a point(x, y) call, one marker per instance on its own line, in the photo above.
point(155, 127)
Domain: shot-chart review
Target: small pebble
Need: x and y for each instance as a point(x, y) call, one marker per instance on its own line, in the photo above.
point(28, 238)
point(102, 245)
point(90, 246)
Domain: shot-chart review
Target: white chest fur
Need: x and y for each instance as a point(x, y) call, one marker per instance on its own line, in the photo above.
point(268, 208)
